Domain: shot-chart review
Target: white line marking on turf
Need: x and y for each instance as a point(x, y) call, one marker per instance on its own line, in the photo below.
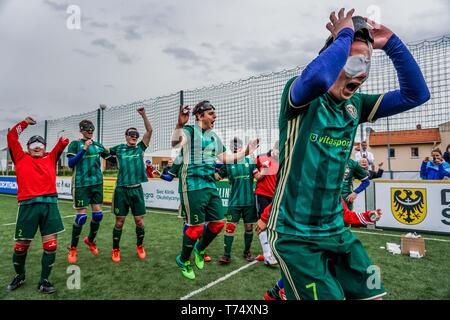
point(395, 235)
point(193, 293)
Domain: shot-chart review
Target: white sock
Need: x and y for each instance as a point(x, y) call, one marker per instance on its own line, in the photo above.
point(265, 245)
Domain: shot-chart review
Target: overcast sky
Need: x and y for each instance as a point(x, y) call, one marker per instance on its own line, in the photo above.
point(131, 50)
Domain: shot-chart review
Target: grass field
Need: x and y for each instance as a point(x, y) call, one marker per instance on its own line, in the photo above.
point(158, 277)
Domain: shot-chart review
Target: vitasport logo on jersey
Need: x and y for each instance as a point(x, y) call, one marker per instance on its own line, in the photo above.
point(344, 143)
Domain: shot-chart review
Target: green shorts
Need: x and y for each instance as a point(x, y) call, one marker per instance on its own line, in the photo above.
point(43, 215)
point(328, 268)
point(84, 196)
point(247, 213)
point(201, 206)
point(126, 198)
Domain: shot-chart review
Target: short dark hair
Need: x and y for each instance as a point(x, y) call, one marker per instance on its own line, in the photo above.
point(130, 129)
point(436, 150)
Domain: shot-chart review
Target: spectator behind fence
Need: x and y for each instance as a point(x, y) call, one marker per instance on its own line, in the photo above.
point(435, 168)
point(372, 174)
point(447, 154)
point(364, 153)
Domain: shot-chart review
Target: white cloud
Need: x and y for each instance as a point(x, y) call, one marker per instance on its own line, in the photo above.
point(129, 50)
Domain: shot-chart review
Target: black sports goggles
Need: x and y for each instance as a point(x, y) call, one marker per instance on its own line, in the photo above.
point(133, 134)
point(34, 139)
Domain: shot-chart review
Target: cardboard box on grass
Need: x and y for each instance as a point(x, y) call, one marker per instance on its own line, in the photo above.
point(412, 242)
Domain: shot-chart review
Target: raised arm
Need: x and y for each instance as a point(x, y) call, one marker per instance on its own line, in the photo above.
point(58, 149)
point(148, 127)
point(413, 88)
point(228, 158)
point(14, 146)
point(323, 71)
point(179, 138)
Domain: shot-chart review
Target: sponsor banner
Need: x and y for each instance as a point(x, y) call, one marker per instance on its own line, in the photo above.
point(108, 189)
point(8, 185)
point(161, 194)
point(64, 188)
point(413, 205)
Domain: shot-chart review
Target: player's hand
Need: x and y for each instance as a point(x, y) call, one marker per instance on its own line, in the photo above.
point(217, 176)
point(30, 120)
point(64, 139)
point(252, 146)
point(381, 34)
point(183, 115)
point(340, 22)
point(380, 164)
point(426, 159)
point(87, 144)
point(375, 215)
point(351, 197)
point(141, 111)
point(260, 226)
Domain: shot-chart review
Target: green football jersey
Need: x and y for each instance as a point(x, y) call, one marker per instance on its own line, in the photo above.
point(199, 158)
point(88, 171)
point(131, 164)
point(240, 176)
point(352, 171)
point(315, 144)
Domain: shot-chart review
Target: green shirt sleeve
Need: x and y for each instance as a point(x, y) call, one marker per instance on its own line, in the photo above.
point(369, 105)
point(359, 172)
point(113, 150)
point(102, 150)
point(288, 109)
point(223, 171)
point(142, 146)
point(72, 149)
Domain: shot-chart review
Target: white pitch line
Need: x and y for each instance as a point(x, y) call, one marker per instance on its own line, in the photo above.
point(395, 235)
point(193, 293)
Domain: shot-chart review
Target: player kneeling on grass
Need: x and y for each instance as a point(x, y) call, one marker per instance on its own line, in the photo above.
point(128, 192)
point(38, 198)
point(241, 202)
point(350, 218)
point(200, 200)
point(87, 186)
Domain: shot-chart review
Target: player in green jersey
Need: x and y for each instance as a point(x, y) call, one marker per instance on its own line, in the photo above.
point(87, 186)
point(241, 202)
point(200, 200)
point(128, 193)
point(353, 171)
point(319, 115)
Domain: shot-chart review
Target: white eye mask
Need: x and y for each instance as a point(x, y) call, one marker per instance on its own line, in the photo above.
point(356, 66)
point(36, 145)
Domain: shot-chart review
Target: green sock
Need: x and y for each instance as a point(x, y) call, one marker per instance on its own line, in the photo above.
point(186, 249)
point(19, 262)
point(206, 239)
point(93, 231)
point(117, 233)
point(48, 259)
point(140, 232)
point(248, 238)
point(76, 231)
point(228, 242)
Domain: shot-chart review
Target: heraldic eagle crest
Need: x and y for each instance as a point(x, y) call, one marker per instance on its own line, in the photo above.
point(409, 205)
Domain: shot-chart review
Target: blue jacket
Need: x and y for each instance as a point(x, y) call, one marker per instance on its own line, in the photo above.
point(431, 171)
